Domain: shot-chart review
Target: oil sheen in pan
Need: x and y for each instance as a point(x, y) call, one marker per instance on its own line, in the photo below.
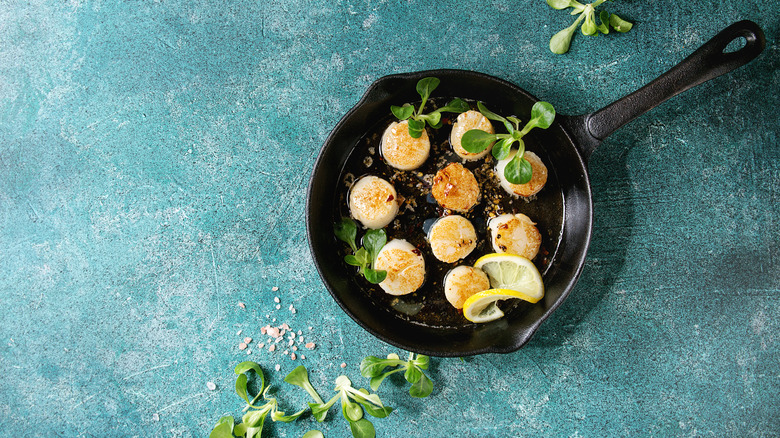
point(428, 306)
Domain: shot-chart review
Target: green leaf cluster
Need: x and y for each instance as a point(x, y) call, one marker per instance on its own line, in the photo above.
point(355, 403)
point(378, 369)
point(518, 170)
point(415, 116)
point(560, 42)
point(365, 256)
point(252, 421)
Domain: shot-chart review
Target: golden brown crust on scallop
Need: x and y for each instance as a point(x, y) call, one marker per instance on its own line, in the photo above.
point(517, 235)
point(405, 271)
point(455, 187)
point(463, 282)
point(452, 238)
point(402, 151)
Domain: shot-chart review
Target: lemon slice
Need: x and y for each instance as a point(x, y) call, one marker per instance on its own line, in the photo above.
point(509, 271)
point(481, 307)
point(510, 276)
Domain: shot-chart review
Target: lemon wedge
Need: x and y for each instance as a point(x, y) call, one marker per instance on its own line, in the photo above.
point(510, 276)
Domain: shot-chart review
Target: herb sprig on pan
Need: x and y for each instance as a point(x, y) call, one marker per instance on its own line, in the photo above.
point(365, 256)
point(560, 42)
point(416, 118)
point(378, 369)
point(518, 170)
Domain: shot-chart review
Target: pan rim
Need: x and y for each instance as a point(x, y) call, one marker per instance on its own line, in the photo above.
point(577, 262)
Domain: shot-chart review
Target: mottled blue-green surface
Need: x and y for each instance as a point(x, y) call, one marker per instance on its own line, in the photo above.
point(154, 158)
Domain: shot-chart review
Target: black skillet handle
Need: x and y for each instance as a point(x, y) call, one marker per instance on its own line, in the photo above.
point(708, 62)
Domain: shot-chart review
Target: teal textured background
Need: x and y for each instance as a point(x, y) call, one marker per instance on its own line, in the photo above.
point(154, 158)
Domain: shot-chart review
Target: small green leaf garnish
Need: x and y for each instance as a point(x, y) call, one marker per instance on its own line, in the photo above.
point(223, 428)
point(375, 369)
point(353, 403)
point(416, 118)
point(620, 24)
point(477, 140)
point(365, 256)
point(346, 231)
point(253, 420)
point(374, 276)
point(300, 377)
point(402, 112)
point(313, 434)
point(362, 429)
point(560, 42)
point(517, 171)
point(422, 388)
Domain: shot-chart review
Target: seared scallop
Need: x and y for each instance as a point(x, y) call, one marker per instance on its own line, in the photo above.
point(401, 150)
point(455, 187)
point(463, 282)
point(466, 122)
point(515, 234)
point(373, 201)
point(452, 238)
point(538, 177)
point(405, 267)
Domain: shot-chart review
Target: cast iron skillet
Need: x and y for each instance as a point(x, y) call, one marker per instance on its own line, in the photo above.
point(573, 137)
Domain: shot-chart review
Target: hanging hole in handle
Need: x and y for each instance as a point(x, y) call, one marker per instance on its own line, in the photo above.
point(735, 45)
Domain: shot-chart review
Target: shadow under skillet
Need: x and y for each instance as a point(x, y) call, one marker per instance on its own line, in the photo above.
point(613, 213)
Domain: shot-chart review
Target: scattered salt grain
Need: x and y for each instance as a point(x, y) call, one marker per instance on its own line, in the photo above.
point(242, 305)
point(291, 342)
point(278, 306)
point(343, 365)
point(248, 352)
point(277, 300)
point(299, 332)
point(272, 347)
point(156, 417)
point(211, 386)
point(292, 356)
point(242, 346)
point(285, 326)
point(274, 288)
point(310, 345)
point(286, 352)
point(278, 367)
point(294, 348)
point(247, 340)
point(261, 346)
point(303, 357)
point(239, 333)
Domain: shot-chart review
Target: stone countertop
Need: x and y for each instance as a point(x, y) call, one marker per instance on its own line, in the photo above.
point(154, 159)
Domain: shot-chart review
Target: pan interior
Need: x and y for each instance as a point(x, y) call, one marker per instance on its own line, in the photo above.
point(428, 305)
point(562, 210)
